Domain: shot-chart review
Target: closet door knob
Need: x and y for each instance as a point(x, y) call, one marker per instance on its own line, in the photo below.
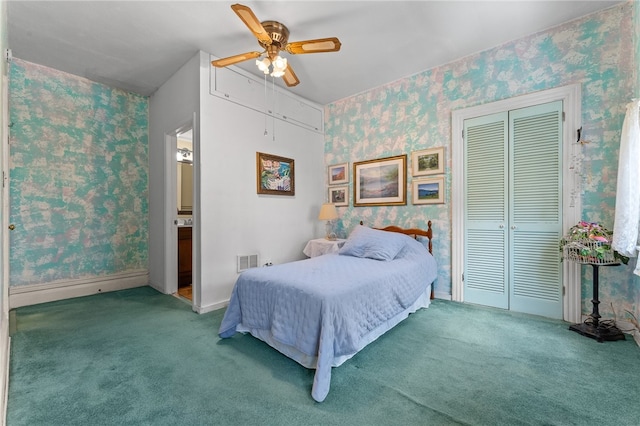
point(501, 226)
point(12, 227)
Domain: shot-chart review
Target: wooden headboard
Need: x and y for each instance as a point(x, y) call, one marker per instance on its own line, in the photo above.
point(412, 232)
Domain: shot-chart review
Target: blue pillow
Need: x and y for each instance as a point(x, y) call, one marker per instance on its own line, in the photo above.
point(423, 240)
point(373, 244)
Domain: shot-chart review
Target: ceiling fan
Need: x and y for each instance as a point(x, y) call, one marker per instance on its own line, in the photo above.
point(273, 37)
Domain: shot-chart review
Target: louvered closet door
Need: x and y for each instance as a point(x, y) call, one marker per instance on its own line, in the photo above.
point(513, 210)
point(486, 201)
point(535, 210)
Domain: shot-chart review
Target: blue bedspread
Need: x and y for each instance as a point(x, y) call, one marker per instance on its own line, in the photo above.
point(326, 307)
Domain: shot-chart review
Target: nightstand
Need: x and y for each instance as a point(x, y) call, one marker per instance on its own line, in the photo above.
point(321, 246)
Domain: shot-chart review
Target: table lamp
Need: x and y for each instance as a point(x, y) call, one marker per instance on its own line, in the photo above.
point(329, 213)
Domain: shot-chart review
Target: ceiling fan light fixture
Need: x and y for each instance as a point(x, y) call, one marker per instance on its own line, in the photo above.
point(280, 62)
point(275, 67)
point(279, 66)
point(263, 65)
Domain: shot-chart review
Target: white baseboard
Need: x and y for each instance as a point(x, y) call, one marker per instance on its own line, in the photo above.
point(41, 293)
point(211, 308)
point(441, 295)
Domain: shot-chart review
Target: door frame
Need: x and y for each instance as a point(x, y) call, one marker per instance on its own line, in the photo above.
point(4, 234)
point(170, 209)
point(571, 96)
point(5, 339)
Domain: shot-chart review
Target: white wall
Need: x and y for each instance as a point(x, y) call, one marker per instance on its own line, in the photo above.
point(170, 107)
point(234, 218)
point(231, 217)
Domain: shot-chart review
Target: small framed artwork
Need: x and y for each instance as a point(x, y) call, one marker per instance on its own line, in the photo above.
point(275, 175)
point(428, 191)
point(339, 173)
point(381, 182)
point(427, 162)
point(339, 195)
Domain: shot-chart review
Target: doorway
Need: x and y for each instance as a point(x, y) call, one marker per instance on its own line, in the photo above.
point(184, 208)
point(181, 260)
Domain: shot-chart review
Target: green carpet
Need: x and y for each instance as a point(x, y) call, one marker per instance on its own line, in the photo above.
point(137, 357)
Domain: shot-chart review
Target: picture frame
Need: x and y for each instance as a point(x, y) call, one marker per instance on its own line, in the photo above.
point(380, 182)
point(275, 175)
point(339, 195)
point(427, 162)
point(428, 191)
point(338, 173)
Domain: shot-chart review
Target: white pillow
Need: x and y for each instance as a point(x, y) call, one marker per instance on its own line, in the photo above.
point(373, 244)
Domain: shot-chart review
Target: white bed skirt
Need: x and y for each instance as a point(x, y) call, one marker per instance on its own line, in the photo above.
point(310, 361)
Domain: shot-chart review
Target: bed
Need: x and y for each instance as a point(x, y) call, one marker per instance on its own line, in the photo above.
point(321, 311)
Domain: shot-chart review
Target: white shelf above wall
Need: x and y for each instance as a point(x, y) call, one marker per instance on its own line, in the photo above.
point(243, 88)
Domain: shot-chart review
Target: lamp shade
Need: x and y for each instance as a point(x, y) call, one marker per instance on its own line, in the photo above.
point(328, 212)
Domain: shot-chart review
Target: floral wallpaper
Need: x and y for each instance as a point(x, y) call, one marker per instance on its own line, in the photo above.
point(414, 113)
point(79, 177)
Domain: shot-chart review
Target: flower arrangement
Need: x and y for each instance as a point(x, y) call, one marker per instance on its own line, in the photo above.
point(589, 242)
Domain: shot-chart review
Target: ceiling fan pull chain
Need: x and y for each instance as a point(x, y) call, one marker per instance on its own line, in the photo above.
point(273, 116)
point(265, 105)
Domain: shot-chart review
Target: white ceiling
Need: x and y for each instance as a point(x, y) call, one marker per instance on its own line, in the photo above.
point(138, 45)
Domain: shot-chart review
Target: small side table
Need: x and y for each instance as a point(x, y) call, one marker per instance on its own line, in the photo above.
point(592, 327)
point(321, 246)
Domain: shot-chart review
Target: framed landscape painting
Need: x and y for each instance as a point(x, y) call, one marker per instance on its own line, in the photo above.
point(339, 195)
point(275, 175)
point(427, 162)
point(339, 173)
point(381, 182)
point(428, 191)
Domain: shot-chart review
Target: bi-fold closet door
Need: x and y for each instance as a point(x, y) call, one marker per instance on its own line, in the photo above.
point(513, 210)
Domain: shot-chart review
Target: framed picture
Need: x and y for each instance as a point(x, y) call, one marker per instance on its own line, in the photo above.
point(275, 175)
point(339, 195)
point(339, 173)
point(428, 191)
point(381, 182)
point(427, 162)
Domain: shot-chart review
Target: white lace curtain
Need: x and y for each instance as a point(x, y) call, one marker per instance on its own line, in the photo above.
point(626, 230)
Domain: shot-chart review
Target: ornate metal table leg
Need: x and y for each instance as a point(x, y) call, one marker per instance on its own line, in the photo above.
point(595, 312)
point(592, 327)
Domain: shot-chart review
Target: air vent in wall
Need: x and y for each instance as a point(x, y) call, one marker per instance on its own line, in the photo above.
point(247, 261)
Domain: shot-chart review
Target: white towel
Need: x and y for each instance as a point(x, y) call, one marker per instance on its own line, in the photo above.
point(626, 237)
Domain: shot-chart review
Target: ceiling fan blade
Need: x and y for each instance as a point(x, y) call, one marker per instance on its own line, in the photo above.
point(319, 45)
point(224, 62)
point(252, 22)
point(290, 77)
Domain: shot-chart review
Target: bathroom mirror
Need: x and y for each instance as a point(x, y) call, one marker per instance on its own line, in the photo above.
point(185, 188)
point(184, 157)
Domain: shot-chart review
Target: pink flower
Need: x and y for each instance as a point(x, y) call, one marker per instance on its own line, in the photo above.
point(598, 238)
